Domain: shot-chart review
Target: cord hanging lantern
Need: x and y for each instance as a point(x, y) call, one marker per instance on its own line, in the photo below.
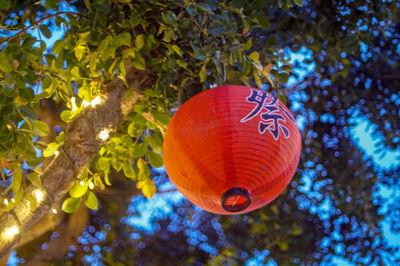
point(232, 149)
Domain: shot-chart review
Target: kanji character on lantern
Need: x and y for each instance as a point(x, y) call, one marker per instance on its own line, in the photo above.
point(272, 117)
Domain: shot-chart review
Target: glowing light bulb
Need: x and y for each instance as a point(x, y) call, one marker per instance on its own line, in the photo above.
point(85, 103)
point(104, 134)
point(5, 202)
point(39, 195)
point(11, 232)
point(82, 183)
point(73, 104)
point(56, 153)
point(12, 200)
point(96, 101)
point(53, 210)
point(91, 185)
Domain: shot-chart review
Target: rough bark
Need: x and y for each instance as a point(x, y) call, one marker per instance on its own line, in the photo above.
point(80, 147)
point(44, 225)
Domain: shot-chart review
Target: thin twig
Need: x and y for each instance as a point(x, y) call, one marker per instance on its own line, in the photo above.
point(39, 21)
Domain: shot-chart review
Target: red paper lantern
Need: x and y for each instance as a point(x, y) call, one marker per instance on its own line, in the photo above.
point(232, 149)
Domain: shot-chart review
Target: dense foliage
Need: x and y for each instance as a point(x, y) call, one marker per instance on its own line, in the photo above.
point(180, 48)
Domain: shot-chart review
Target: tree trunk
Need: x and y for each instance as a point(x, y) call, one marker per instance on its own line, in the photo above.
point(80, 147)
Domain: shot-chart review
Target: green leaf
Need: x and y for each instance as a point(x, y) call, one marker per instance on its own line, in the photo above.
point(144, 172)
point(87, 5)
point(155, 159)
point(4, 4)
point(139, 120)
point(52, 4)
point(78, 190)
point(17, 179)
point(149, 189)
point(26, 93)
point(177, 50)
point(5, 64)
point(8, 89)
point(282, 98)
point(169, 17)
point(203, 73)
point(216, 28)
point(116, 163)
point(104, 163)
point(161, 117)
point(283, 245)
point(70, 205)
point(28, 111)
point(124, 39)
point(255, 57)
point(129, 171)
point(79, 51)
point(91, 201)
point(139, 41)
point(394, 9)
point(106, 179)
point(132, 130)
point(35, 179)
point(66, 116)
point(51, 148)
point(299, 2)
point(60, 138)
point(97, 181)
point(45, 31)
point(247, 45)
point(155, 142)
point(283, 77)
point(39, 128)
point(46, 82)
point(139, 63)
point(59, 45)
point(199, 53)
point(75, 72)
point(296, 231)
point(206, 7)
point(140, 150)
point(263, 22)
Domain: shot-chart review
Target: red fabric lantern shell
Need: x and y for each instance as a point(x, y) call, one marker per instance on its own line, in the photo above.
point(232, 149)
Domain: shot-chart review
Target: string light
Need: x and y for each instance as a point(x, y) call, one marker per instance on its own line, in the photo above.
point(56, 153)
point(85, 103)
point(11, 232)
point(73, 104)
point(12, 200)
point(104, 134)
point(82, 183)
point(5, 202)
point(96, 101)
point(53, 210)
point(91, 185)
point(39, 195)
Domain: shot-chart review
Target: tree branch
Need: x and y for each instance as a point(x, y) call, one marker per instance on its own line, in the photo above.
point(39, 21)
point(80, 147)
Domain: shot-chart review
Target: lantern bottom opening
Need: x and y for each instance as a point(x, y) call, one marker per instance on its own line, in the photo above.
point(235, 199)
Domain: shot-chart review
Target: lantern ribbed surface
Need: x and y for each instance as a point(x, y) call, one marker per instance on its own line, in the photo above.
point(231, 149)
